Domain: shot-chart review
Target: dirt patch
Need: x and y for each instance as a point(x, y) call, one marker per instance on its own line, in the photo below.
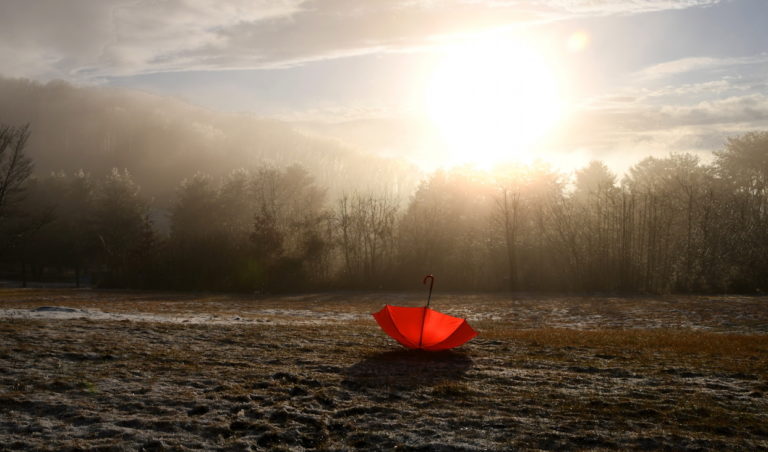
point(82, 383)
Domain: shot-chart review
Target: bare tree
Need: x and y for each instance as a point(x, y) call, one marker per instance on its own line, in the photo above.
point(367, 225)
point(119, 225)
point(743, 168)
point(508, 205)
point(15, 166)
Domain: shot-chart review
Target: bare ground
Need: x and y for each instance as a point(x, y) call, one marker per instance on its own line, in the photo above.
point(91, 370)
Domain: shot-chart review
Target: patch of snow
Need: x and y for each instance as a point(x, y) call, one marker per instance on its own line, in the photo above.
point(55, 309)
point(273, 316)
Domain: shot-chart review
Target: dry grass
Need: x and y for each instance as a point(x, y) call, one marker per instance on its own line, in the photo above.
point(342, 384)
point(733, 352)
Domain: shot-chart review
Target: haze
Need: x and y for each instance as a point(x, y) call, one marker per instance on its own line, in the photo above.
point(525, 145)
point(434, 83)
point(383, 225)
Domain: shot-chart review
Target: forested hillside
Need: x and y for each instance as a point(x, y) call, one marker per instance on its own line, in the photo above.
point(161, 140)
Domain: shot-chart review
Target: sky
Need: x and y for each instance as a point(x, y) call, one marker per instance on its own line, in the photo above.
point(439, 83)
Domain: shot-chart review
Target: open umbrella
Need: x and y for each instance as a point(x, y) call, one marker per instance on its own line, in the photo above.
point(424, 328)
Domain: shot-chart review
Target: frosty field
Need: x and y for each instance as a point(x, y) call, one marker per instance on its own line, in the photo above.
point(102, 370)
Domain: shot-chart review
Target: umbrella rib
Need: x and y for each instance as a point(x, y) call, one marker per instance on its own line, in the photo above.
point(423, 321)
point(439, 347)
point(464, 322)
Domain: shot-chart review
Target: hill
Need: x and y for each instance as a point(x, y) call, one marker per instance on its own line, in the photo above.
point(161, 140)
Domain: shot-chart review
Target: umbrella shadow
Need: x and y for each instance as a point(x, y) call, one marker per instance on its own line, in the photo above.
point(407, 369)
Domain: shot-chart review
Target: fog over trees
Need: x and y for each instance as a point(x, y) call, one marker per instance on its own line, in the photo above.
point(128, 193)
point(161, 140)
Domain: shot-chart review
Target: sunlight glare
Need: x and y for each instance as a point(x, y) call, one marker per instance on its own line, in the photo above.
point(490, 100)
point(578, 41)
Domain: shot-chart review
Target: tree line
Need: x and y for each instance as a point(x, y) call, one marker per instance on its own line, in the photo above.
point(670, 224)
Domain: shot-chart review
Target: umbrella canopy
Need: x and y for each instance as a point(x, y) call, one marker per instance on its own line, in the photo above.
point(424, 328)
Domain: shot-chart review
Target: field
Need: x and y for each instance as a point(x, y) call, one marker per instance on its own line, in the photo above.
point(98, 370)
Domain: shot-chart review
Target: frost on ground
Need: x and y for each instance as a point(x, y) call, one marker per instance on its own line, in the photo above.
point(85, 370)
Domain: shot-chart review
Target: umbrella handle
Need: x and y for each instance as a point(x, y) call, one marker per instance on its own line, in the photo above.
point(431, 284)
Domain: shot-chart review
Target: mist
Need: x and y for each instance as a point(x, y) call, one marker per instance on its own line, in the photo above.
point(162, 140)
point(383, 225)
point(121, 189)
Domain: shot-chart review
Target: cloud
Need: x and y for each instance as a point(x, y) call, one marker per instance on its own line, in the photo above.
point(79, 39)
point(83, 40)
point(685, 105)
point(697, 64)
point(606, 7)
point(605, 124)
point(738, 109)
point(682, 65)
point(688, 105)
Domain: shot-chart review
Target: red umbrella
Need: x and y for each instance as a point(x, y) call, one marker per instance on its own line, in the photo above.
point(424, 328)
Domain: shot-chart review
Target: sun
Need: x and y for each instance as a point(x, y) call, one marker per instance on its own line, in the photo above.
point(490, 100)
